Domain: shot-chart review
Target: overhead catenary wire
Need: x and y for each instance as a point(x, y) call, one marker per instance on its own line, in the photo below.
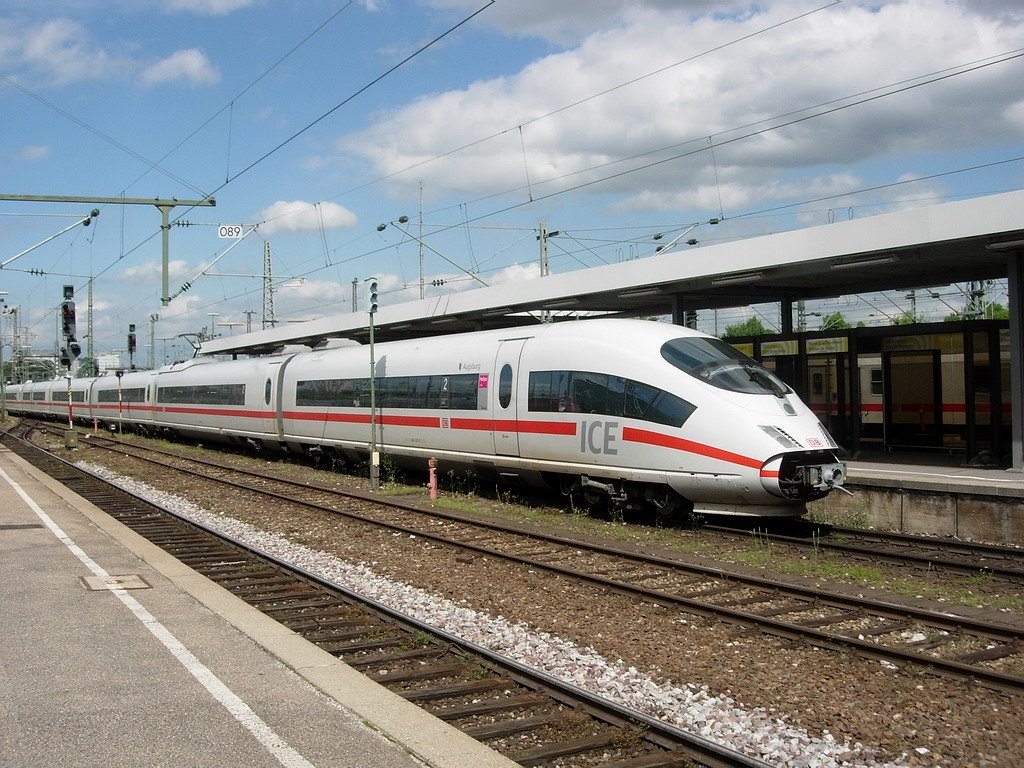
point(817, 199)
point(871, 96)
point(356, 94)
point(537, 118)
point(266, 155)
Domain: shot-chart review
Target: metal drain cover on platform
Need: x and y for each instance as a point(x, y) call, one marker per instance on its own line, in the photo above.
point(129, 581)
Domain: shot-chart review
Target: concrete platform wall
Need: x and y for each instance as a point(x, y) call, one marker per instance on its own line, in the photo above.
point(994, 519)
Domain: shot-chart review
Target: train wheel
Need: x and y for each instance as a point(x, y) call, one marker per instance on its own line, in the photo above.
point(667, 504)
point(568, 485)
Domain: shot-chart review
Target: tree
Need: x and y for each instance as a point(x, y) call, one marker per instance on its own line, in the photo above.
point(996, 311)
point(87, 366)
point(993, 311)
point(751, 327)
point(907, 318)
point(833, 321)
point(37, 369)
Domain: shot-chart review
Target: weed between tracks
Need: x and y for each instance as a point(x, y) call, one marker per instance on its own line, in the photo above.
point(467, 496)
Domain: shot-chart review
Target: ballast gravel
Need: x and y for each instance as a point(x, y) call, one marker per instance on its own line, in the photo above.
point(690, 706)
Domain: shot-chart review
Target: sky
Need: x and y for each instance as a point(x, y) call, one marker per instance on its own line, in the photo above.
point(621, 124)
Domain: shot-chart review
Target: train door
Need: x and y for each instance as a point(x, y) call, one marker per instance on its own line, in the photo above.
point(913, 398)
point(828, 393)
point(505, 401)
point(270, 424)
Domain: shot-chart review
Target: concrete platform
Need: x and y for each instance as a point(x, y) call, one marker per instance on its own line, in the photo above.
point(115, 654)
point(967, 502)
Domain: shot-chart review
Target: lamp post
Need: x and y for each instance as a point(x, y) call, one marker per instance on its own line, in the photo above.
point(152, 339)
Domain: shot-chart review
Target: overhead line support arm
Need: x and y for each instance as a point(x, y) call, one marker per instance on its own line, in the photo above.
point(165, 206)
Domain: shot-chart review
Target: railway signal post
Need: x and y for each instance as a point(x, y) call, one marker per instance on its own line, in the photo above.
point(72, 349)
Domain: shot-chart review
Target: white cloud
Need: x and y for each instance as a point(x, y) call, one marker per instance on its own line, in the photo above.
point(666, 120)
point(180, 308)
point(314, 290)
point(208, 7)
point(34, 153)
point(58, 51)
point(153, 271)
point(515, 273)
point(300, 216)
point(564, 22)
point(189, 65)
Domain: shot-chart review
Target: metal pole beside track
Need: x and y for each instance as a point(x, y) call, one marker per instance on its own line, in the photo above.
point(374, 455)
point(70, 437)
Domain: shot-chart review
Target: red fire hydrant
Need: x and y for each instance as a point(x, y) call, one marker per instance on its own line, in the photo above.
point(432, 482)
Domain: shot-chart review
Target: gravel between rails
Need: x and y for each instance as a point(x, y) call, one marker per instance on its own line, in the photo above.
point(833, 700)
point(755, 732)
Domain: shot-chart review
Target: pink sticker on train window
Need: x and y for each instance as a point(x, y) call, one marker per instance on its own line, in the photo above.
point(482, 381)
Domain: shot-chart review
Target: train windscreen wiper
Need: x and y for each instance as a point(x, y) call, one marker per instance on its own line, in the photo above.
point(766, 380)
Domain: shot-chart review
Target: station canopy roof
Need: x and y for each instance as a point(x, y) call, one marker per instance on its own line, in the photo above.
point(935, 245)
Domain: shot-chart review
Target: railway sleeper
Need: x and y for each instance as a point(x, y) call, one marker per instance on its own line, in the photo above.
point(503, 729)
point(340, 629)
point(264, 589)
point(382, 659)
point(336, 616)
point(756, 599)
point(455, 690)
point(988, 654)
point(489, 706)
point(549, 752)
point(339, 640)
point(824, 621)
point(784, 609)
point(664, 759)
point(432, 672)
point(286, 596)
point(387, 641)
point(886, 629)
point(298, 607)
point(932, 642)
point(241, 576)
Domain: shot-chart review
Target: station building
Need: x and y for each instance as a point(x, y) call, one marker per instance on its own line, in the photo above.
point(941, 391)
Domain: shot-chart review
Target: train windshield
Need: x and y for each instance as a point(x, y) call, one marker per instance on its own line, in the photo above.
point(722, 365)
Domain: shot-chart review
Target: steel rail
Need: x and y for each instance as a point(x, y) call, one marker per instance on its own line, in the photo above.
point(775, 626)
point(864, 550)
point(667, 736)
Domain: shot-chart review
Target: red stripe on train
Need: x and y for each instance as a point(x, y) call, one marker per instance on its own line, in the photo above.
point(633, 435)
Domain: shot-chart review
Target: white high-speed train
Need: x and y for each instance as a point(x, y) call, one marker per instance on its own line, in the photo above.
point(641, 413)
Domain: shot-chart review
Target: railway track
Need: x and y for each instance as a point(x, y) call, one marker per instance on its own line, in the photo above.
point(899, 634)
point(531, 717)
point(922, 551)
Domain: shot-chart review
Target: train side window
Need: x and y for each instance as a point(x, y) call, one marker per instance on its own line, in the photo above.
point(876, 381)
point(464, 391)
point(638, 399)
point(615, 402)
point(505, 386)
point(540, 391)
point(589, 392)
point(670, 410)
point(266, 392)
